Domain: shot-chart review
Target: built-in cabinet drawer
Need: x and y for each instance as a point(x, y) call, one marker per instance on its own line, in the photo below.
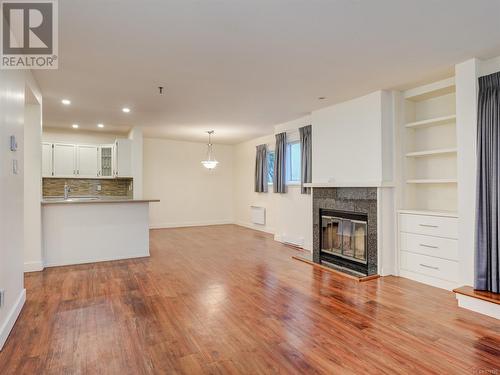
point(429, 225)
point(428, 249)
point(430, 266)
point(440, 247)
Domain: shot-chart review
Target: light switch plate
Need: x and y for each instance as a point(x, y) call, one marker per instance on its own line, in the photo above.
point(13, 143)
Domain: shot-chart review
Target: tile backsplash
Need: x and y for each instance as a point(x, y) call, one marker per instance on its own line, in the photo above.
point(119, 187)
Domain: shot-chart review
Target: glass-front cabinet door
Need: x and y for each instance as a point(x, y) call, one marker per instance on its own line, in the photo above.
point(106, 161)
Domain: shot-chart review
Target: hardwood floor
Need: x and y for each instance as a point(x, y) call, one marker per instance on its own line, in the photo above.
point(229, 300)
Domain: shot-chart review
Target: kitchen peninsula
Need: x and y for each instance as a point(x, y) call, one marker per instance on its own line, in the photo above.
point(94, 229)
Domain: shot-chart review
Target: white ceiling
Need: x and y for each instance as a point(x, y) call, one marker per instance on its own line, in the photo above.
point(240, 66)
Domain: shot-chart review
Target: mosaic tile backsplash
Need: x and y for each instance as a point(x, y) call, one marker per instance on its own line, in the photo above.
point(120, 187)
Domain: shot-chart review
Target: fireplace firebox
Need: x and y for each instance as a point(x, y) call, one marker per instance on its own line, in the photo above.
point(344, 240)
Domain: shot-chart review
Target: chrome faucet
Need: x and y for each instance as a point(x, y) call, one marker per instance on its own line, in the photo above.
point(67, 190)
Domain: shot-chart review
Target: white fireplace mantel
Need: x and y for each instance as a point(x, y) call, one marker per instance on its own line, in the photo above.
point(333, 184)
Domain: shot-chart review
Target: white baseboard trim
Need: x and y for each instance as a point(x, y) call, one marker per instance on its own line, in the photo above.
point(96, 260)
point(478, 305)
point(11, 318)
point(255, 227)
point(190, 224)
point(33, 266)
point(438, 283)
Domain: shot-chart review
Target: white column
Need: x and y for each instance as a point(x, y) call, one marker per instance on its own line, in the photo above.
point(466, 100)
point(33, 260)
point(137, 155)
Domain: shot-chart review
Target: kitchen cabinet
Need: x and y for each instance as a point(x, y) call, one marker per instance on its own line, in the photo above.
point(65, 160)
point(87, 161)
point(64, 157)
point(123, 158)
point(106, 160)
point(47, 161)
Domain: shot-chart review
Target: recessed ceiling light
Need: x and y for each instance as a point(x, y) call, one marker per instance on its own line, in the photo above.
point(321, 98)
point(100, 125)
point(75, 126)
point(66, 101)
point(126, 109)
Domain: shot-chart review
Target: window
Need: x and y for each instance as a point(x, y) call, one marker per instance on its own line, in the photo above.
point(293, 158)
point(270, 166)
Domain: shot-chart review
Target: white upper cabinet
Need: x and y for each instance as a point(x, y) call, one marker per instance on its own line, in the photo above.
point(64, 160)
point(47, 165)
point(123, 158)
point(87, 161)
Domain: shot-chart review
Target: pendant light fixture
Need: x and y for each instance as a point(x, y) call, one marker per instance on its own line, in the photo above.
point(210, 162)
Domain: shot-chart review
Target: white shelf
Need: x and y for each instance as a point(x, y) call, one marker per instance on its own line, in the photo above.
point(433, 181)
point(432, 122)
point(429, 212)
point(441, 151)
point(433, 90)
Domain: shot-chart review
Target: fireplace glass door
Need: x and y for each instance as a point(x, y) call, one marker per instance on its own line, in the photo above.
point(358, 243)
point(331, 235)
point(344, 237)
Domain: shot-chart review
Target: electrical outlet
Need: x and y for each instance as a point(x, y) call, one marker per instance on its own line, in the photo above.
point(2, 298)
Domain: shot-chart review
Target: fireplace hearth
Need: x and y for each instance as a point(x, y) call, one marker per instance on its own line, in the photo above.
point(345, 229)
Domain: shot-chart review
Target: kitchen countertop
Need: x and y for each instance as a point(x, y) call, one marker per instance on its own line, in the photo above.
point(87, 200)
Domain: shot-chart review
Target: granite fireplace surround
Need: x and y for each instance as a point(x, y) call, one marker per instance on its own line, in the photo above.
point(355, 199)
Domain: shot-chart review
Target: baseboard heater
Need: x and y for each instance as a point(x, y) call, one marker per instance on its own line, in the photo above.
point(293, 241)
point(258, 215)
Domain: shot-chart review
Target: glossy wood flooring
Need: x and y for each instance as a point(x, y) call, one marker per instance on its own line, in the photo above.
point(228, 300)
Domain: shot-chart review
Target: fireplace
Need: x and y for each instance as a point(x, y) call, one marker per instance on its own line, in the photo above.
point(345, 229)
point(344, 234)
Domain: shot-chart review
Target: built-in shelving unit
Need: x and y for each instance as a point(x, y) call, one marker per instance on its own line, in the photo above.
point(427, 212)
point(429, 148)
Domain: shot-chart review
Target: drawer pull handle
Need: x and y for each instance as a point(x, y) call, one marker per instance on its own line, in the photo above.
point(429, 246)
point(428, 226)
point(431, 267)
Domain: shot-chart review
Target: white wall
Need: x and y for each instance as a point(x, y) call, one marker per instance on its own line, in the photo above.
point(12, 102)
point(244, 178)
point(349, 141)
point(189, 193)
point(33, 257)
point(288, 216)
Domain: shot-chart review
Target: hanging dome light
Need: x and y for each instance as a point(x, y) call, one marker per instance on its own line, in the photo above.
point(210, 162)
